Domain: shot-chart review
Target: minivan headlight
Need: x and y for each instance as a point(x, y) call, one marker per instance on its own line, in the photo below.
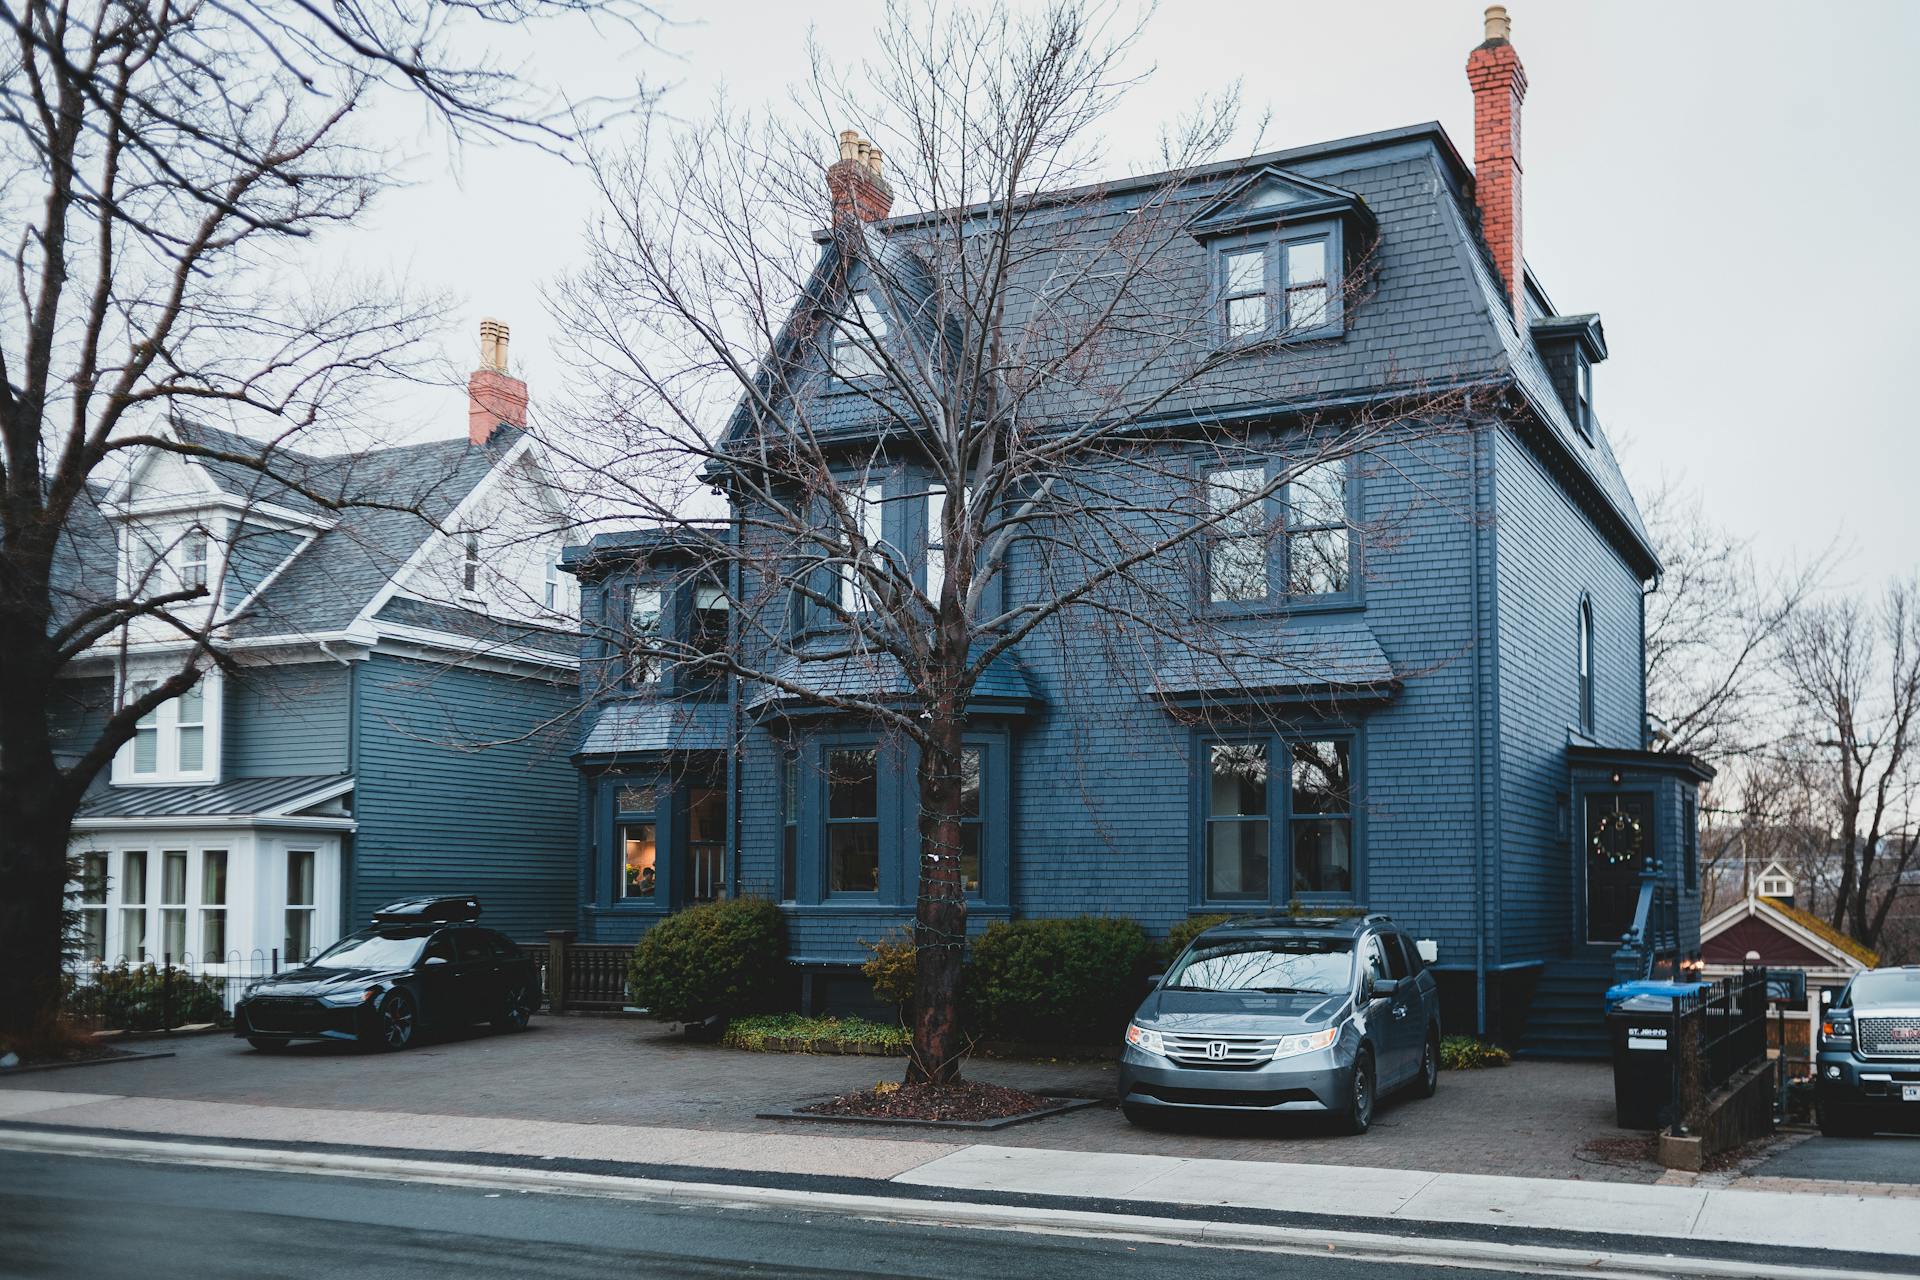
point(1307, 1043)
point(1146, 1040)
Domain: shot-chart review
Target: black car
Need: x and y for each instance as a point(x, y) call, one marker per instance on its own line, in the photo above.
point(1867, 1070)
point(422, 964)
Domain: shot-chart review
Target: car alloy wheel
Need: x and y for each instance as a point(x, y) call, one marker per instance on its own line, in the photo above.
point(1360, 1095)
point(518, 1011)
point(395, 1021)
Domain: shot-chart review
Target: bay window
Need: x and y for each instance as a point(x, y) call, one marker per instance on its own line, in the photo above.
point(213, 905)
point(298, 942)
point(646, 610)
point(864, 505)
point(1236, 839)
point(853, 820)
point(173, 904)
point(92, 907)
point(133, 906)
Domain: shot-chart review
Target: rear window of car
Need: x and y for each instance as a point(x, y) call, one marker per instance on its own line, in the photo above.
point(1311, 966)
point(1887, 986)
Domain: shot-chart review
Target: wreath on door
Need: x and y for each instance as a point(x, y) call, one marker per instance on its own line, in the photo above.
point(1618, 838)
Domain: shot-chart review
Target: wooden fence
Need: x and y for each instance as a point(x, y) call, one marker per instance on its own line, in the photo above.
point(582, 975)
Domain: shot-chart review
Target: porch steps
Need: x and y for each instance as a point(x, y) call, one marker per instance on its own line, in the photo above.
point(1567, 1018)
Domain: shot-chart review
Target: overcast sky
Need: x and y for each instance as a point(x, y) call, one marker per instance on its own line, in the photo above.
point(1731, 185)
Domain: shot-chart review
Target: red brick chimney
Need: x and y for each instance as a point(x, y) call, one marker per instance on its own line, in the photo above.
point(493, 398)
point(1499, 86)
point(855, 182)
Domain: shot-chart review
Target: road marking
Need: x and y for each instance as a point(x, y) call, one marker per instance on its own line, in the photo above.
point(1353, 1245)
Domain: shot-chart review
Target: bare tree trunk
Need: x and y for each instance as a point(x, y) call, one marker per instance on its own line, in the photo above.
point(940, 918)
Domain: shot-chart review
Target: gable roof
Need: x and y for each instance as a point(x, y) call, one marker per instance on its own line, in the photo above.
point(1435, 317)
point(1802, 932)
point(1827, 933)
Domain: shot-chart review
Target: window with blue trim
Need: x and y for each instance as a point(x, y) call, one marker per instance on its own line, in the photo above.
point(1273, 834)
point(1297, 543)
point(852, 837)
point(1279, 285)
point(1583, 659)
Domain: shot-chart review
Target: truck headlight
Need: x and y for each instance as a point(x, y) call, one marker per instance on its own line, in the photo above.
point(1307, 1043)
point(1837, 1029)
point(1146, 1040)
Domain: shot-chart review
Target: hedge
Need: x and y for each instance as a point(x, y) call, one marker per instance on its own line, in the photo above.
point(1056, 980)
point(718, 959)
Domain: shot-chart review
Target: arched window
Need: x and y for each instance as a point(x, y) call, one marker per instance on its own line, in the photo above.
point(1585, 660)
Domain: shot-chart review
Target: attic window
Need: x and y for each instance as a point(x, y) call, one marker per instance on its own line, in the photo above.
point(470, 563)
point(1583, 397)
point(1279, 286)
point(1776, 886)
point(857, 337)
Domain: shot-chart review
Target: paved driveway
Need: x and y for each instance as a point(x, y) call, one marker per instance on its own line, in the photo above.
point(1532, 1119)
point(1884, 1158)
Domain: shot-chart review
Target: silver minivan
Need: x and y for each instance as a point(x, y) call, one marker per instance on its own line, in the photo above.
point(1286, 1014)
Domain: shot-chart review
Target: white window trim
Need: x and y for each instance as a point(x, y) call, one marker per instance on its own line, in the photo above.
point(867, 504)
point(169, 541)
point(167, 771)
point(856, 337)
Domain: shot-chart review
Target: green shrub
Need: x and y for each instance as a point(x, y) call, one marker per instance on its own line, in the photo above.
point(1058, 980)
point(146, 998)
point(892, 967)
point(1186, 931)
point(718, 959)
point(1464, 1053)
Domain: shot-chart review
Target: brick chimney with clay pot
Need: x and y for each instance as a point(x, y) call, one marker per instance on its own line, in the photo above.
point(1499, 86)
point(856, 182)
point(494, 399)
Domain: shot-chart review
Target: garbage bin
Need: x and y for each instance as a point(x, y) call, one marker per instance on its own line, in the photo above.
point(1649, 987)
point(1642, 1028)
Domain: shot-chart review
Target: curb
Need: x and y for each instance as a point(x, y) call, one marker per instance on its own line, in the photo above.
point(129, 1056)
point(1348, 1245)
point(798, 1111)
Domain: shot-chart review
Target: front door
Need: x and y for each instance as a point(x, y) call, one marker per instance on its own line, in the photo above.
point(1618, 846)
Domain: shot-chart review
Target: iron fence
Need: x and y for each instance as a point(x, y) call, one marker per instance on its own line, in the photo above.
point(1717, 1034)
point(164, 992)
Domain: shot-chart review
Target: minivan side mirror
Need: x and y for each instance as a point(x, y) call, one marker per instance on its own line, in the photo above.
point(1382, 988)
point(436, 960)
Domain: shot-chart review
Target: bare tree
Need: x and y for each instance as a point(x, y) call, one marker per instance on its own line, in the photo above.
point(162, 166)
point(1042, 360)
point(1854, 669)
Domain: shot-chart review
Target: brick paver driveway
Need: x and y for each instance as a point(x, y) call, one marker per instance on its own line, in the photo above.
point(1532, 1119)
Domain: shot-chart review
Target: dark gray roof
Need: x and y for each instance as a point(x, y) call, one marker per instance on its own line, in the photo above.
point(878, 676)
point(239, 798)
point(645, 727)
point(478, 626)
point(1433, 314)
point(1338, 655)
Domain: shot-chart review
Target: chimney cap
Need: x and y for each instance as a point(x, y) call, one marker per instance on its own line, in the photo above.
point(494, 337)
point(1499, 26)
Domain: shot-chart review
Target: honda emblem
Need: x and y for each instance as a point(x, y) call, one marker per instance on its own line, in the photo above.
point(1216, 1048)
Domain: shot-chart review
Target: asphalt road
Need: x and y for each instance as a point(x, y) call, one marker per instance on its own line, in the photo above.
point(106, 1219)
point(1885, 1157)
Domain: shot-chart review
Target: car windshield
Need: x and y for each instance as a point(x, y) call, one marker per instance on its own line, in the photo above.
point(372, 951)
point(1308, 966)
point(1887, 986)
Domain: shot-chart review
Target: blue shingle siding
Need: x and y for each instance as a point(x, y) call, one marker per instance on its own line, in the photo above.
point(1549, 556)
point(287, 720)
point(439, 815)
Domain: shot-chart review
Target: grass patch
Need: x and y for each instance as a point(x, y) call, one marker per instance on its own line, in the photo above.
point(795, 1033)
point(1464, 1053)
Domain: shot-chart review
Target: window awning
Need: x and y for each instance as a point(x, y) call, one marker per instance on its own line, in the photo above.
point(1004, 688)
point(1298, 661)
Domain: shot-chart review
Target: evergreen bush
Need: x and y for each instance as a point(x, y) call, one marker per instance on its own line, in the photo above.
point(714, 960)
point(1058, 980)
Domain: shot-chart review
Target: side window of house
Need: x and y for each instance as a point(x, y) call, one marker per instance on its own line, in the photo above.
point(1237, 845)
point(1277, 290)
point(790, 826)
point(639, 852)
point(1319, 562)
point(858, 337)
point(971, 819)
point(1237, 555)
point(645, 614)
point(1261, 843)
point(864, 504)
point(1321, 816)
point(1584, 662)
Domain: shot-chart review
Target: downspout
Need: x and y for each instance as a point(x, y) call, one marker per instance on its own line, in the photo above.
point(1481, 746)
point(734, 824)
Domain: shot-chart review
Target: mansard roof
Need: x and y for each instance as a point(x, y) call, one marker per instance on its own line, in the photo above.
point(1433, 316)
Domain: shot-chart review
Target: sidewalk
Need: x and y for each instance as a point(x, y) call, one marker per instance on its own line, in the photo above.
point(1659, 1216)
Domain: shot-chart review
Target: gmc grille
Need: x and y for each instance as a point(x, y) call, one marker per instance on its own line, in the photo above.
point(1889, 1037)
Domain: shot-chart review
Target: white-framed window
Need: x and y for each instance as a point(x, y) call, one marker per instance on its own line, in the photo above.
point(1244, 288)
point(177, 741)
point(161, 558)
point(133, 905)
point(470, 563)
point(213, 905)
point(553, 596)
point(864, 504)
point(857, 338)
point(298, 942)
point(191, 558)
point(91, 903)
point(173, 904)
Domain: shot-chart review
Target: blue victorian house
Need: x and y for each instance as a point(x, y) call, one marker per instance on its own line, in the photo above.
point(1454, 725)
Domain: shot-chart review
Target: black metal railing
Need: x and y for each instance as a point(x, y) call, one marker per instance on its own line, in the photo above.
point(1653, 939)
point(163, 992)
point(1718, 1033)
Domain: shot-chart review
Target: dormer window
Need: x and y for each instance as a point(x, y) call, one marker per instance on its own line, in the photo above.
point(1583, 398)
point(1246, 293)
point(1278, 287)
point(857, 337)
point(711, 612)
point(193, 559)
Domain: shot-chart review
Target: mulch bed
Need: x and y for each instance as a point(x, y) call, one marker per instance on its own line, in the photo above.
point(965, 1101)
